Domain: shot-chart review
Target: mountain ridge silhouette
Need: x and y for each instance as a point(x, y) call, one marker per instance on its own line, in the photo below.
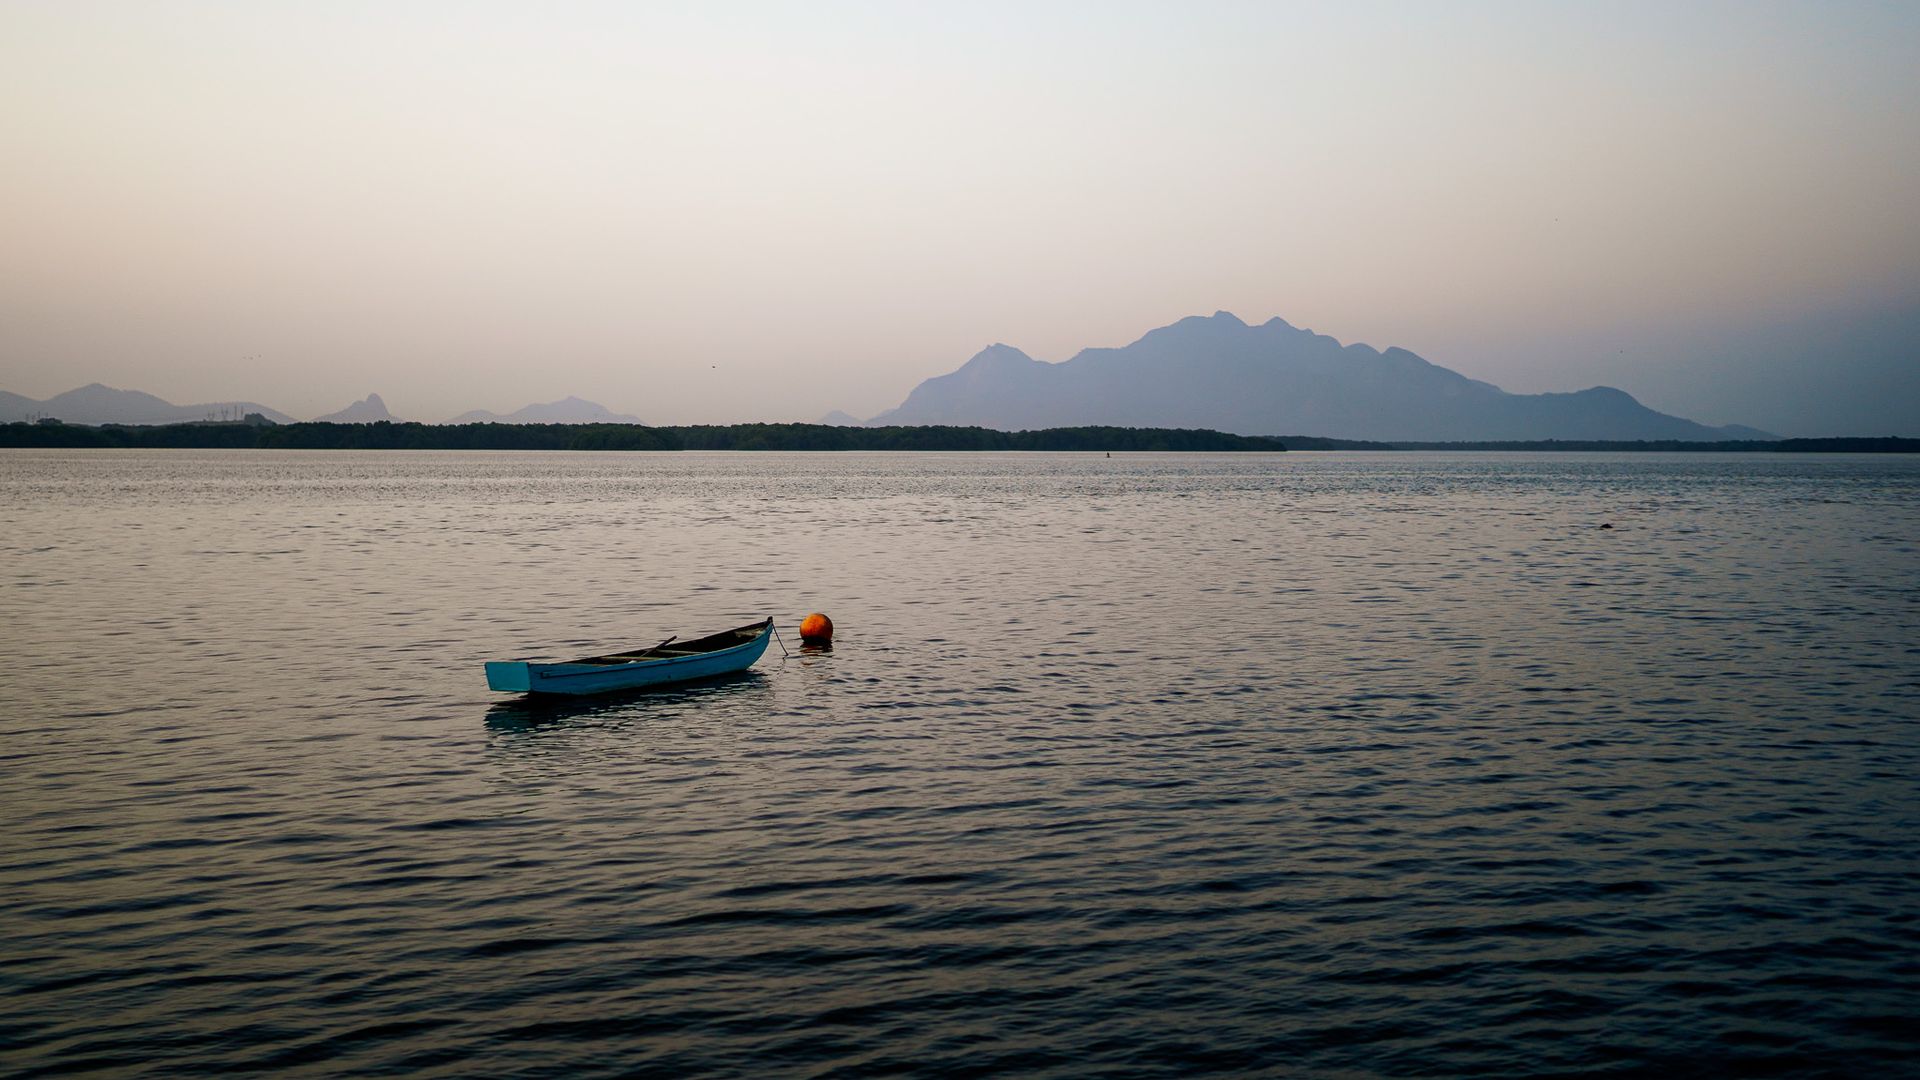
point(1220, 373)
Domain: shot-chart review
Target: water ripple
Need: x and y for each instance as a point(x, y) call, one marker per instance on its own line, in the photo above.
point(1159, 765)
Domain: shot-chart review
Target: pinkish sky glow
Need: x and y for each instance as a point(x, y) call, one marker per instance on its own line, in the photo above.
point(721, 212)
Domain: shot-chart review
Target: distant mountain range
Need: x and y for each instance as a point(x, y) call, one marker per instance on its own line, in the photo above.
point(1214, 373)
point(368, 410)
point(570, 410)
point(1273, 379)
point(97, 404)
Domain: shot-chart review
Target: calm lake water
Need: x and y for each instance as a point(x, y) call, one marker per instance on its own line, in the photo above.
point(1154, 765)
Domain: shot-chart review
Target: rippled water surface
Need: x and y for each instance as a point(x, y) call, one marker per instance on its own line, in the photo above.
point(1145, 766)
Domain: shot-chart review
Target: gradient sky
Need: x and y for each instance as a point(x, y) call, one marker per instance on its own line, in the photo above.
point(766, 211)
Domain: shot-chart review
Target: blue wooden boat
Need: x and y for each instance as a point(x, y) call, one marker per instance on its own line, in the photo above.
point(671, 661)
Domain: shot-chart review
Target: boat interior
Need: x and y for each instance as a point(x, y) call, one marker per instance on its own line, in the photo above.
point(672, 647)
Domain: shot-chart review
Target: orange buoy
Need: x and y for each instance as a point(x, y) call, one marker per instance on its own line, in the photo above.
point(816, 628)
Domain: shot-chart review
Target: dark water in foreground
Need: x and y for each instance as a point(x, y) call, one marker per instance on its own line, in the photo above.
point(1150, 766)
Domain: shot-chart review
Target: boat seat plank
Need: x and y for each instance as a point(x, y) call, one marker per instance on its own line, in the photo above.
point(644, 654)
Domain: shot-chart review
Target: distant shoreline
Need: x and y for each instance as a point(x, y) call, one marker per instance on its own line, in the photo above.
point(820, 437)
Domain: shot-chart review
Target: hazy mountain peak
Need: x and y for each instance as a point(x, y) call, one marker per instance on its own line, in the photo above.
point(102, 392)
point(1221, 326)
point(1218, 372)
point(368, 410)
point(568, 410)
point(1219, 320)
point(999, 354)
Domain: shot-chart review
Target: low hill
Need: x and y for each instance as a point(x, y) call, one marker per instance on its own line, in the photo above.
point(99, 404)
point(568, 410)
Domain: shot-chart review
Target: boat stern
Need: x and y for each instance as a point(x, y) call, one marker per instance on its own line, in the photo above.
point(514, 675)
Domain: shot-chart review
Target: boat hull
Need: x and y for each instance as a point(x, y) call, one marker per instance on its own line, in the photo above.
point(576, 679)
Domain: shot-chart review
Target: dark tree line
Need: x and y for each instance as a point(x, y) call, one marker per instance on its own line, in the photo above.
point(410, 436)
point(1847, 445)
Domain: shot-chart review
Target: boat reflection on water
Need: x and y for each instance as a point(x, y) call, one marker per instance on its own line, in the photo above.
point(535, 712)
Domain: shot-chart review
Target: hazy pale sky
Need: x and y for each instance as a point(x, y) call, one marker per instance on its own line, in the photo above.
point(724, 212)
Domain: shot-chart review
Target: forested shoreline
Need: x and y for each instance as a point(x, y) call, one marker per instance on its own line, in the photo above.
point(413, 436)
point(812, 437)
